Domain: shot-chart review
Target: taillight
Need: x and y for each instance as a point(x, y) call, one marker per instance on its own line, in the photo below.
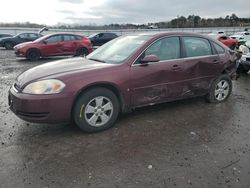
point(87, 42)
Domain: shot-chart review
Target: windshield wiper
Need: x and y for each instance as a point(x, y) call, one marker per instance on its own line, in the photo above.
point(99, 60)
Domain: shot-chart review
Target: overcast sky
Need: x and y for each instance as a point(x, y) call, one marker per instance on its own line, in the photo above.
point(51, 12)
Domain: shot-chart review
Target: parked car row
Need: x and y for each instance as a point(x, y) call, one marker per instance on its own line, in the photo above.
point(240, 41)
point(34, 46)
point(232, 41)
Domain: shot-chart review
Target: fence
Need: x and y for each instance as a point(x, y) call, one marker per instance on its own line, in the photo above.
point(227, 30)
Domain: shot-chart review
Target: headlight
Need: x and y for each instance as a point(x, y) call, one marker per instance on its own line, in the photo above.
point(51, 86)
point(243, 49)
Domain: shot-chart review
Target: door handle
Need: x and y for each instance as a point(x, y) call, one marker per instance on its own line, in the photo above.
point(215, 61)
point(176, 67)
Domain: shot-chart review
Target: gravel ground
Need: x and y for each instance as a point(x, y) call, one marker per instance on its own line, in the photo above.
point(181, 144)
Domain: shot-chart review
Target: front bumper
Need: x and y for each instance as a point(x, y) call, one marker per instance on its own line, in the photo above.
point(19, 53)
point(41, 108)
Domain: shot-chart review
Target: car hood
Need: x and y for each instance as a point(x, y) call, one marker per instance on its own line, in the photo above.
point(56, 68)
point(23, 44)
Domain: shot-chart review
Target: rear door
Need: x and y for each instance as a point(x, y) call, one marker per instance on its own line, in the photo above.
point(70, 44)
point(201, 63)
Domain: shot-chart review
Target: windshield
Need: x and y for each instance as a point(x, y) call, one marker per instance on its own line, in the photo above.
point(119, 49)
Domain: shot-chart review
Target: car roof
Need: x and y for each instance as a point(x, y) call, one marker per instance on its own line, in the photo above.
point(63, 33)
point(163, 34)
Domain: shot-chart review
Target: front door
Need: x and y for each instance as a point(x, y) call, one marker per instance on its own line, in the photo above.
point(159, 81)
point(52, 46)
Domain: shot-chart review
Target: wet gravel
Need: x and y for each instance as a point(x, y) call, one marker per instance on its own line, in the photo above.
point(182, 144)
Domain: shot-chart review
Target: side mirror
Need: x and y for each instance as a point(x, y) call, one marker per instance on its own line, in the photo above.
point(149, 58)
point(45, 42)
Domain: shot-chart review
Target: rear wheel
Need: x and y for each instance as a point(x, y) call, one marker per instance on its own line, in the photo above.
point(8, 45)
point(82, 52)
point(33, 55)
point(220, 89)
point(96, 110)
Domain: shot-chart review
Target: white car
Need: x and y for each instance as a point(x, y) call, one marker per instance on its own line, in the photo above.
point(239, 35)
point(244, 62)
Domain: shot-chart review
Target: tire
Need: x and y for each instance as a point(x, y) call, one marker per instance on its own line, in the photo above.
point(33, 55)
point(9, 45)
point(220, 89)
point(82, 52)
point(96, 110)
point(232, 46)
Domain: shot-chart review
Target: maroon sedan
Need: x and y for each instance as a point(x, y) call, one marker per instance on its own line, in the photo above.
point(126, 73)
point(58, 44)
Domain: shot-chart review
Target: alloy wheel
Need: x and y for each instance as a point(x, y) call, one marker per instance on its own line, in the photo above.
point(221, 90)
point(98, 111)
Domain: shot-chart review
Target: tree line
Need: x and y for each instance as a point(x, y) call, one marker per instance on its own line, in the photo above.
point(191, 21)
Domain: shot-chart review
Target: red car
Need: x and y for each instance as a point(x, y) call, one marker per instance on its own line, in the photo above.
point(123, 74)
point(229, 42)
point(58, 44)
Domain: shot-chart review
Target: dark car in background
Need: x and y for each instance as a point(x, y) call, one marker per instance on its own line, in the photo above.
point(57, 44)
point(99, 39)
point(10, 42)
point(126, 73)
point(5, 35)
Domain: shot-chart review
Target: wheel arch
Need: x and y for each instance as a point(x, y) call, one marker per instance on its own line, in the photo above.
point(82, 47)
point(30, 49)
point(106, 85)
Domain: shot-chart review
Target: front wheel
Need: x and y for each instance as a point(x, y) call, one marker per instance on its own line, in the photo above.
point(33, 55)
point(220, 89)
point(96, 110)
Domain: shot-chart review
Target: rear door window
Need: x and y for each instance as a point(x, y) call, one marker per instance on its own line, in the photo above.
point(218, 48)
point(69, 37)
point(196, 46)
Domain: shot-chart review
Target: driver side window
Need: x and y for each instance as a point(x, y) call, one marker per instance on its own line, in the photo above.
point(164, 49)
point(53, 39)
